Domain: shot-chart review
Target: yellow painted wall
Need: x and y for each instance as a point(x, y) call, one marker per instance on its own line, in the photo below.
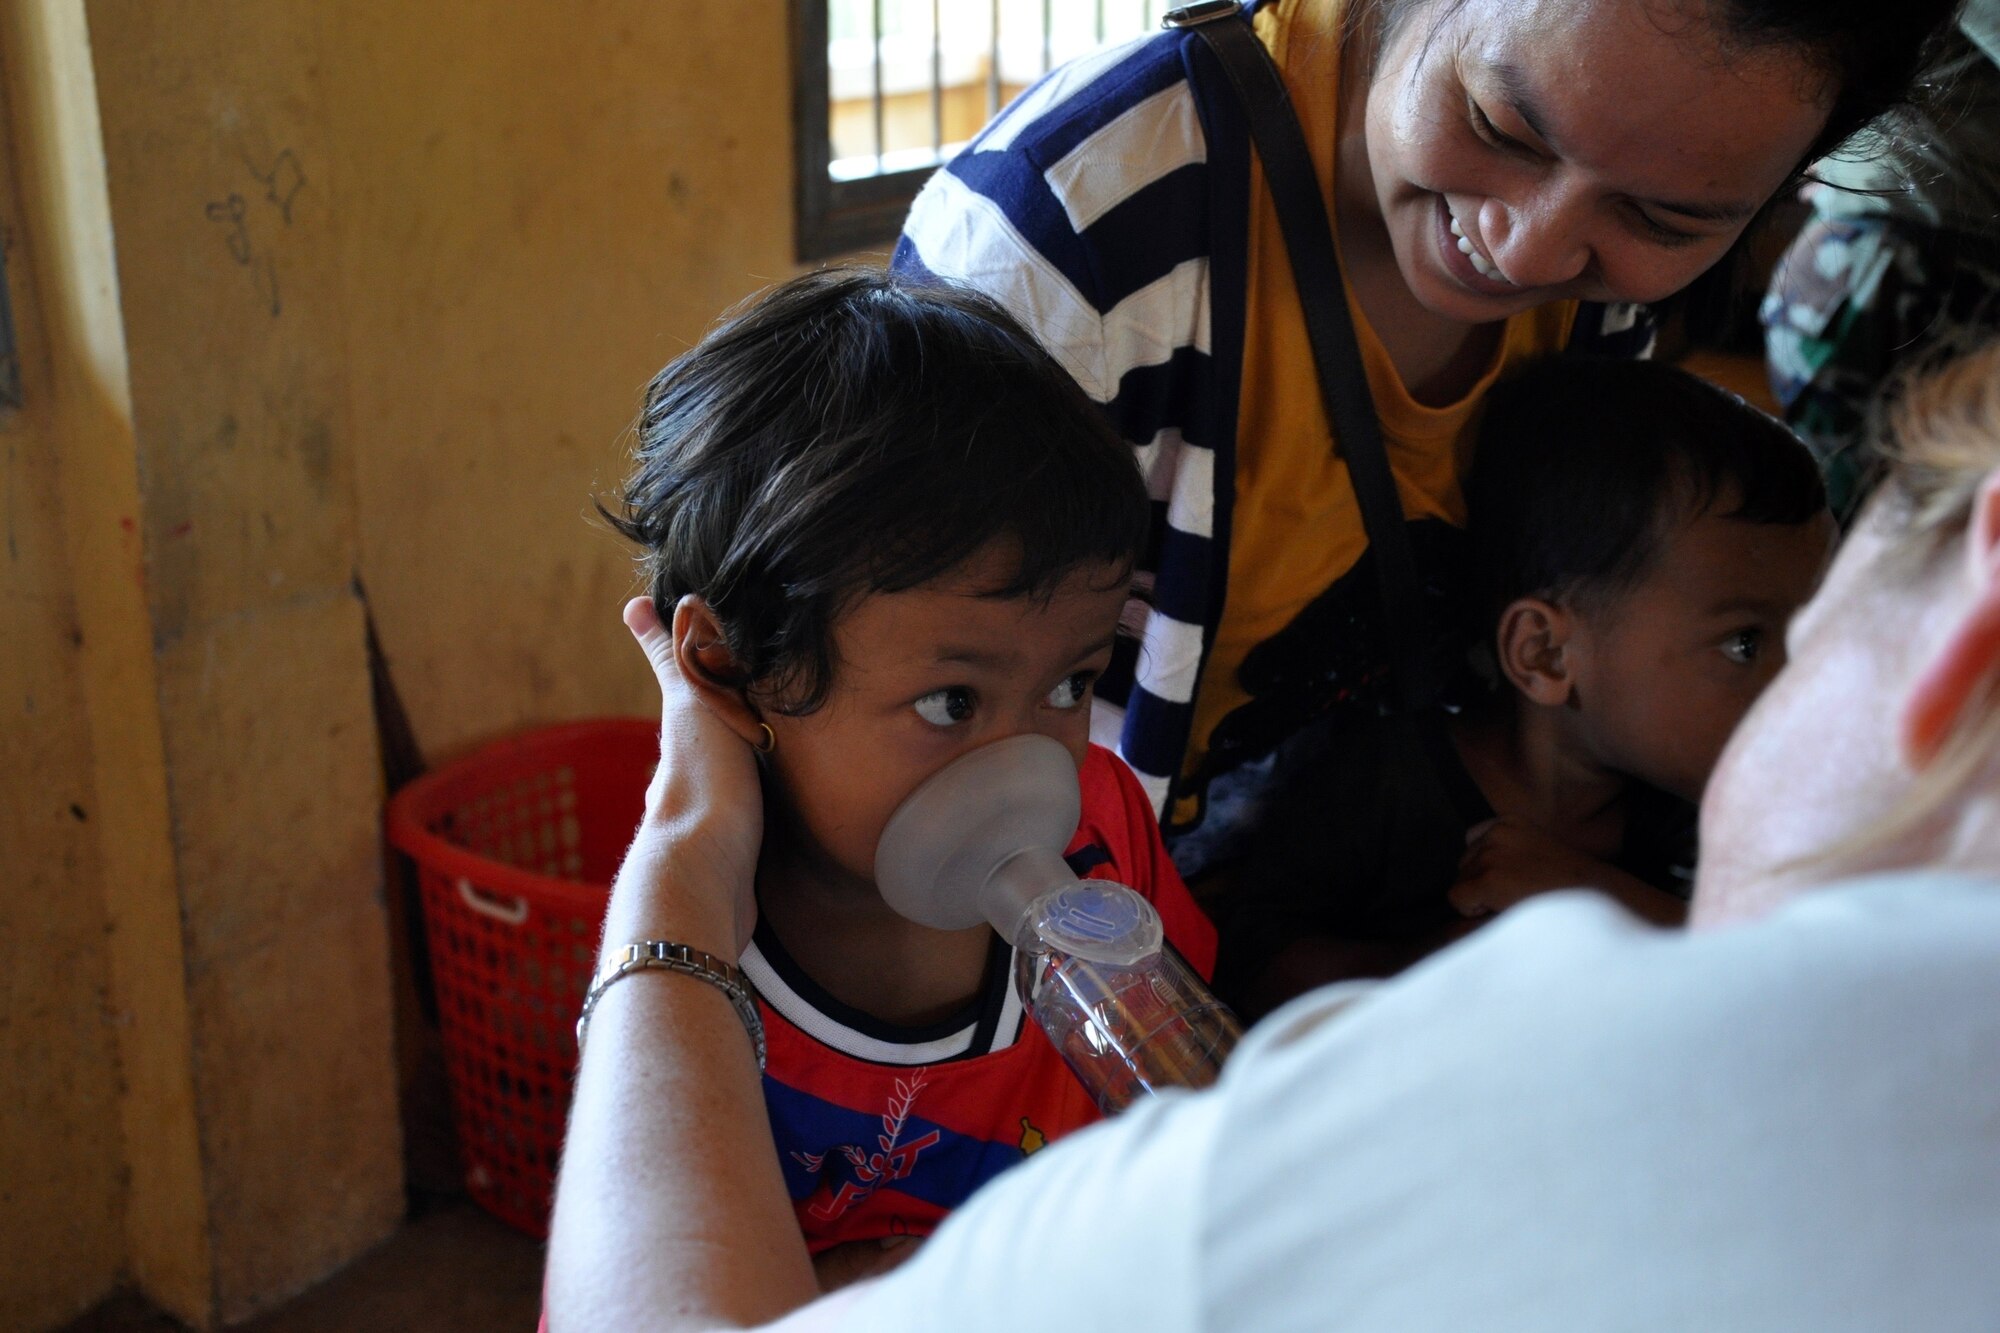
point(228, 260)
point(388, 282)
point(537, 214)
point(61, 1207)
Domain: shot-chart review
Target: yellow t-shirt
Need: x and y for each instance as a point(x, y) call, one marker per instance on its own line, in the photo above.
point(1296, 527)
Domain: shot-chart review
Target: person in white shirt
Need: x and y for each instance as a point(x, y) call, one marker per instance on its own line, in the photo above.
point(1785, 1118)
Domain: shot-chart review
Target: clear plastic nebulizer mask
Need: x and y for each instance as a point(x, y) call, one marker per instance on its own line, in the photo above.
point(982, 840)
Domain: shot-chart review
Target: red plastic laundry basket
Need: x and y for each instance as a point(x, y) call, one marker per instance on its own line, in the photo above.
point(515, 848)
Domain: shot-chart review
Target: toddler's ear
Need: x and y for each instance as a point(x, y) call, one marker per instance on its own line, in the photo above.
point(1530, 643)
point(710, 668)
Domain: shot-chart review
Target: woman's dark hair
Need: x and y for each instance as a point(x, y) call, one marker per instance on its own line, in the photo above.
point(1872, 50)
point(853, 432)
point(1584, 466)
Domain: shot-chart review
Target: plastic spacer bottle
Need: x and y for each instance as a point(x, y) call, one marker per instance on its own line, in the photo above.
point(981, 840)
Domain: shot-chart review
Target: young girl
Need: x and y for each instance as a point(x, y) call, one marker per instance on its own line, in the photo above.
point(889, 530)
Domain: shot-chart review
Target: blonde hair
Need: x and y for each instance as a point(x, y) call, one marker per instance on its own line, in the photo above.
point(1944, 432)
point(1944, 441)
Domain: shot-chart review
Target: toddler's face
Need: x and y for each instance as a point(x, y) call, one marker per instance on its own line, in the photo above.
point(1820, 757)
point(922, 676)
point(1664, 674)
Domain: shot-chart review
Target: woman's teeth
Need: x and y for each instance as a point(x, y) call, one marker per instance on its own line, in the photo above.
point(1479, 264)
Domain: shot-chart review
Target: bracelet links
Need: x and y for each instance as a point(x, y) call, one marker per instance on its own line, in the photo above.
point(665, 956)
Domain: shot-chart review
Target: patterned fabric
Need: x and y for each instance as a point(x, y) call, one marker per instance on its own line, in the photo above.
point(1852, 300)
point(883, 1131)
point(1901, 257)
point(1109, 208)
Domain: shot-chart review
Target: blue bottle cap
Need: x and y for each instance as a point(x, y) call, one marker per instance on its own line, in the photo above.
point(1098, 920)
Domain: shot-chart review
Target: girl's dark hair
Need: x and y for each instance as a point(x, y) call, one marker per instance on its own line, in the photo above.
point(1871, 50)
point(1584, 466)
point(852, 432)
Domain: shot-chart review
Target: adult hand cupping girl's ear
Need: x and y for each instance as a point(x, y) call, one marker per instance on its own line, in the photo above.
point(705, 798)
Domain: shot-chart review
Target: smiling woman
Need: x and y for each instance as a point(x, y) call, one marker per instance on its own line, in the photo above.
point(1572, 152)
point(1505, 177)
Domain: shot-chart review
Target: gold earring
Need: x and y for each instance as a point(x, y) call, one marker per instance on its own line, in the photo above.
point(770, 739)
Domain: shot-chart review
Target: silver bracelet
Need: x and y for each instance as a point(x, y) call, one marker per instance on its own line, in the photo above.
point(660, 955)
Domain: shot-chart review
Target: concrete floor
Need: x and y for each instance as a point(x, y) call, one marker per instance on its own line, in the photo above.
point(450, 1270)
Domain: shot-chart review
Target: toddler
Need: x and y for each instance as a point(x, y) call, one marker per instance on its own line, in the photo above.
point(907, 533)
point(1638, 540)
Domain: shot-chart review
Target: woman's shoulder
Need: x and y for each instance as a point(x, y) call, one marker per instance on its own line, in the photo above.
point(1090, 188)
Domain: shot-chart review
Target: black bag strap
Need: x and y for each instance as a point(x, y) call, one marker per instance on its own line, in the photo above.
point(1343, 381)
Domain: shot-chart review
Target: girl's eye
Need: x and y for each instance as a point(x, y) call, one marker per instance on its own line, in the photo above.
point(1073, 690)
point(1742, 646)
point(945, 708)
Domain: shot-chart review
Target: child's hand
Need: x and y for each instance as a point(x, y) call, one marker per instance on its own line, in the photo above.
point(1507, 860)
point(705, 796)
point(858, 1259)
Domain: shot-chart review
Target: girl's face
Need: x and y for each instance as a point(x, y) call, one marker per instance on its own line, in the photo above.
point(919, 678)
point(1602, 150)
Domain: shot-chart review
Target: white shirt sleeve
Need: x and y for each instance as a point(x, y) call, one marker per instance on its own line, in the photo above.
point(1570, 1121)
point(1574, 1121)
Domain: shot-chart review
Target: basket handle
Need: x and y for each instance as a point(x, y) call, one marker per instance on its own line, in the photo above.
point(507, 911)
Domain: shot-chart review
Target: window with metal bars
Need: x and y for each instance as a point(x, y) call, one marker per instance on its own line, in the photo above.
point(887, 90)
